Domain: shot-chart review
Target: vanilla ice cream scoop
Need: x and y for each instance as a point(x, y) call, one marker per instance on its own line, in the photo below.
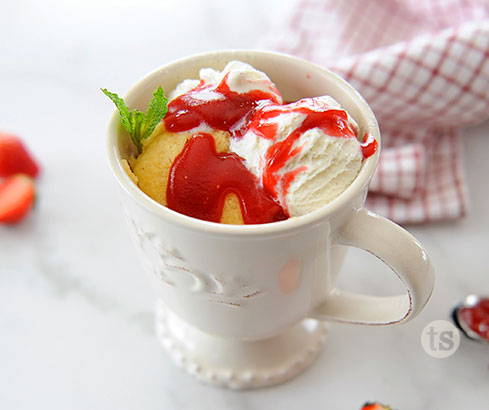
point(305, 153)
point(238, 76)
point(220, 100)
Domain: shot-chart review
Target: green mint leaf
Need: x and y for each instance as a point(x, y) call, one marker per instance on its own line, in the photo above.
point(123, 110)
point(157, 109)
point(137, 121)
point(140, 125)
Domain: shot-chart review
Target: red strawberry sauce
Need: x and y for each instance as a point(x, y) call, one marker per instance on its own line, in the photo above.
point(200, 178)
point(219, 107)
point(477, 317)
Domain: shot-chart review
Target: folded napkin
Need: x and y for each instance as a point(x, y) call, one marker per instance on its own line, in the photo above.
point(422, 65)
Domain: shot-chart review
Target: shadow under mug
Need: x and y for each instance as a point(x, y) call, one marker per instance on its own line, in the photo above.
point(256, 282)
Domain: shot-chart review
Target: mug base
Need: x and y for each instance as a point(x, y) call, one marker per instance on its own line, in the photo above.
point(238, 364)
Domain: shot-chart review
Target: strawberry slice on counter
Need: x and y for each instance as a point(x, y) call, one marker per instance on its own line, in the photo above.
point(375, 406)
point(15, 158)
point(17, 195)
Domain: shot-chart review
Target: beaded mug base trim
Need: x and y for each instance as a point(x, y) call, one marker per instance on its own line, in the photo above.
point(237, 364)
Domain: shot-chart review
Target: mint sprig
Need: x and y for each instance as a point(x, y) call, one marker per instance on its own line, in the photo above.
point(139, 124)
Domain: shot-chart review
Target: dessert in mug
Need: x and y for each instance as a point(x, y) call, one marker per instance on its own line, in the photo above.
point(229, 149)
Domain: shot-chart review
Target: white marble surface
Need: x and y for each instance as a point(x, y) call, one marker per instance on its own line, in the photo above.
point(76, 312)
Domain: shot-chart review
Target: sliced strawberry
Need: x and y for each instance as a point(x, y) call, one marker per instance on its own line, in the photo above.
point(375, 406)
point(15, 158)
point(17, 195)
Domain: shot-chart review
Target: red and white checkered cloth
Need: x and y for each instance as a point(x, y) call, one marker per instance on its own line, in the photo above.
point(422, 65)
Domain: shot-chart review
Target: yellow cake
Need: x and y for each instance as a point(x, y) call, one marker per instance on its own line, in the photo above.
point(152, 166)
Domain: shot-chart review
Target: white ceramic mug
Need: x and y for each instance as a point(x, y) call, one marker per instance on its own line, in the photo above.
point(232, 287)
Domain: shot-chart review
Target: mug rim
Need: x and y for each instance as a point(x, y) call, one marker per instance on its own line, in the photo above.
point(311, 218)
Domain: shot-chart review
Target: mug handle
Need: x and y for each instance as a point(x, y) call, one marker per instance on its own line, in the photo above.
point(402, 253)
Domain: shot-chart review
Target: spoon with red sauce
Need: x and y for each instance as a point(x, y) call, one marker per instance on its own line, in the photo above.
point(472, 318)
